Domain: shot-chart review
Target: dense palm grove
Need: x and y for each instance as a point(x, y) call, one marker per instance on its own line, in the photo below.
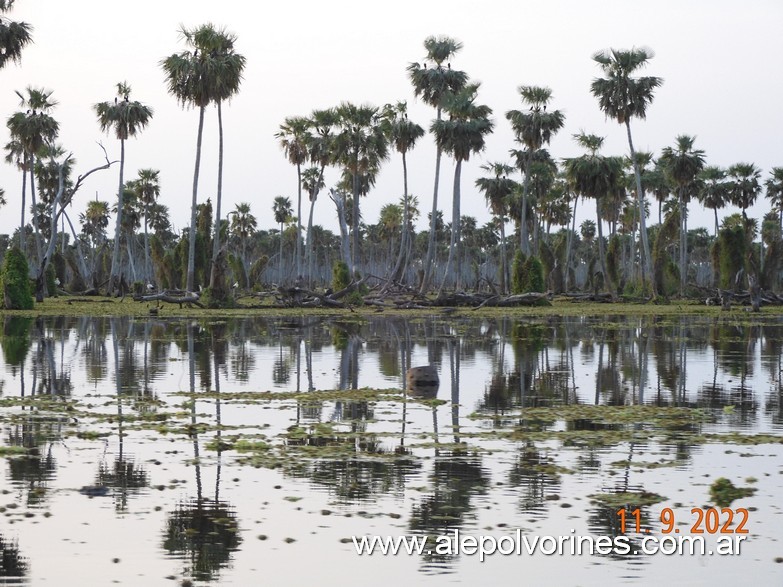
point(533, 191)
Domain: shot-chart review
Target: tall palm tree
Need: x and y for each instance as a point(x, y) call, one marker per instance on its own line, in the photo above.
point(497, 189)
point(714, 190)
point(243, 224)
point(14, 36)
point(533, 128)
point(209, 71)
point(682, 165)
point(433, 84)
point(461, 134)
point(595, 176)
point(774, 185)
point(403, 134)
point(744, 186)
point(282, 211)
point(147, 187)
point(126, 119)
point(293, 136)
point(227, 66)
point(623, 97)
point(320, 142)
point(33, 130)
point(360, 147)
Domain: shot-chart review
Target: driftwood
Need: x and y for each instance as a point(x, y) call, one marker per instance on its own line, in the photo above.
point(172, 297)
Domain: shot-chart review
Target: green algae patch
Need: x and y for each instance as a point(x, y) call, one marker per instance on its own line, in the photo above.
point(618, 499)
point(253, 397)
point(723, 492)
point(12, 451)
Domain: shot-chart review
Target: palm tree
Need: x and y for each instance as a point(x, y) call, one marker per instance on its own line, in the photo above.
point(595, 176)
point(282, 211)
point(320, 142)
point(682, 165)
point(744, 186)
point(14, 36)
point(33, 130)
point(227, 67)
point(433, 84)
point(714, 190)
point(243, 224)
point(533, 128)
point(461, 135)
point(623, 97)
point(403, 134)
point(211, 72)
point(360, 147)
point(774, 185)
point(147, 187)
point(497, 189)
point(126, 119)
point(293, 135)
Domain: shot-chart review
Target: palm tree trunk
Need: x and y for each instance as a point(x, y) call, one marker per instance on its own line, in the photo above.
point(428, 262)
point(355, 248)
point(503, 259)
point(455, 216)
point(280, 273)
point(299, 221)
point(398, 270)
point(602, 253)
point(569, 240)
point(147, 273)
point(647, 259)
point(191, 277)
point(716, 220)
point(524, 239)
point(118, 227)
point(79, 255)
point(22, 235)
point(38, 243)
point(683, 241)
point(218, 200)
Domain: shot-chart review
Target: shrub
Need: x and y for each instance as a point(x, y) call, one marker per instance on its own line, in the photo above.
point(517, 273)
point(17, 292)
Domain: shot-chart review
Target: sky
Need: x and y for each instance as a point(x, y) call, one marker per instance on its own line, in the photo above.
point(719, 60)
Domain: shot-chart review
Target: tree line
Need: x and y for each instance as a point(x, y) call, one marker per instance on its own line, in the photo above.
point(533, 191)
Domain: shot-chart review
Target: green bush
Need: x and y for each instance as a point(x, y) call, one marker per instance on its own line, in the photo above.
point(341, 275)
point(17, 292)
point(518, 273)
point(534, 275)
point(51, 284)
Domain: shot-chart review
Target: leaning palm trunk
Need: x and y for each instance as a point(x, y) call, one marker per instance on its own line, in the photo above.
point(647, 272)
point(429, 260)
point(399, 269)
point(218, 200)
point(86, 277)
point(455, 216)
point(355, 250)
point(191, 277)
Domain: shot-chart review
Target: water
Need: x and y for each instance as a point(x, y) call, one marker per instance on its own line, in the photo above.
point(241, 451)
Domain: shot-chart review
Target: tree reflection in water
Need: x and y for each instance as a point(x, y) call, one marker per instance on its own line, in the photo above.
point(13, 566)
point(203, 531)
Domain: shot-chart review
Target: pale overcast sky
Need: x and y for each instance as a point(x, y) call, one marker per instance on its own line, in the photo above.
point(720, 60)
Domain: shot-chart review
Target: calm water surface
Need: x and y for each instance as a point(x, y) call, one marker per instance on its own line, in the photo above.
point(249, 451)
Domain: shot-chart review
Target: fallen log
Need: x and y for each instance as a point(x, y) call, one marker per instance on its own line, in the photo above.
point(176, 297)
